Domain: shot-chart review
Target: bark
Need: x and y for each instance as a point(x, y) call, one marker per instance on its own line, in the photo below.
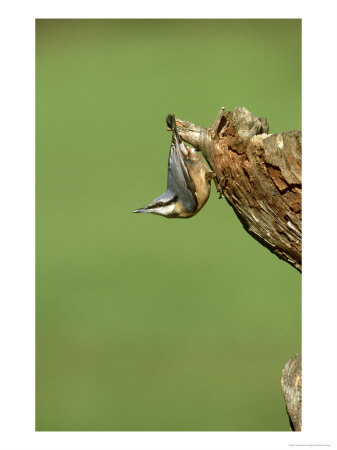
point(291, 382)
point(258, 173)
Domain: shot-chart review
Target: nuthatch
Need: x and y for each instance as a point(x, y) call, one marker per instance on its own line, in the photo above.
point(188, 181)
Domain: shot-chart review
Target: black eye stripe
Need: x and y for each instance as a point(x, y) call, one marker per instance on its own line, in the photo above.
point(161, 203)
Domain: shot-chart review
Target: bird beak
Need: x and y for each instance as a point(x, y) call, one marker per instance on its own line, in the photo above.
point(142, 210)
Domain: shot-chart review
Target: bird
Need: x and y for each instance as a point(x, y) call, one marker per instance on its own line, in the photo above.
point(188, 181)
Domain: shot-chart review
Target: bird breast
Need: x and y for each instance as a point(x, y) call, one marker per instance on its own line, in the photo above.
point(198, 172)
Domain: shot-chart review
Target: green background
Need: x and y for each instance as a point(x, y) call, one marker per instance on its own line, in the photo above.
point(144, 323)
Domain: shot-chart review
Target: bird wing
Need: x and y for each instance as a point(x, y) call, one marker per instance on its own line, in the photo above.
point(178, 178)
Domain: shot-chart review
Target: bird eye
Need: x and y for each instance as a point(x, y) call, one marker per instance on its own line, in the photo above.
point(160, 204)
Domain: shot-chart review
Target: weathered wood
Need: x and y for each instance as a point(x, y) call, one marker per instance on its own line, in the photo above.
point(258, 173)
point(291, 382)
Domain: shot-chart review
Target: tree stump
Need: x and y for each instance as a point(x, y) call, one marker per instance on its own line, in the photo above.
point(258, 173)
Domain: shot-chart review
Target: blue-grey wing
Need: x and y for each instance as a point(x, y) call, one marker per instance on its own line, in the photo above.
point(179, 180)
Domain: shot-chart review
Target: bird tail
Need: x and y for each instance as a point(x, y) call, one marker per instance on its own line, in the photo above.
point(171, 123)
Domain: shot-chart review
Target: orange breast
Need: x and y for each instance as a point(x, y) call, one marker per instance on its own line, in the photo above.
point(202, 183)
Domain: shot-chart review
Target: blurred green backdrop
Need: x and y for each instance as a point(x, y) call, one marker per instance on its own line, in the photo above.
point(144, 323)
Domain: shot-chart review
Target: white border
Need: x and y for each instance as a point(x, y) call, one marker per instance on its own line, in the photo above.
point(17, 225)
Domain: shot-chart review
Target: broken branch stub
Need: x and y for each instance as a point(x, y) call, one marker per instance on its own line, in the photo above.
point(291, 382)
point(258, 173)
